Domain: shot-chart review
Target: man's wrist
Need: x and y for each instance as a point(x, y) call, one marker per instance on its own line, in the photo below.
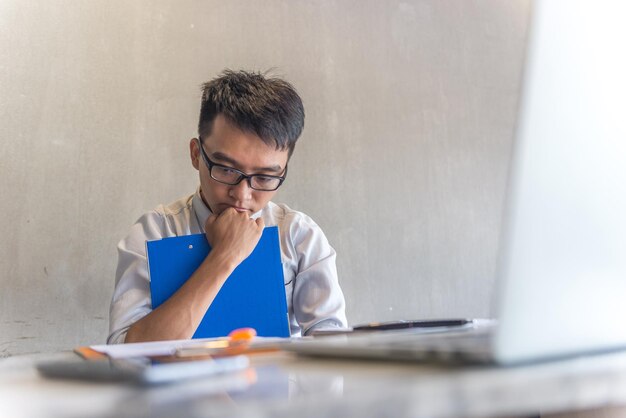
point(222, 261)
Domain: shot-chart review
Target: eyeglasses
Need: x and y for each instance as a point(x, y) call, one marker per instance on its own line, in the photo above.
point(232, 176)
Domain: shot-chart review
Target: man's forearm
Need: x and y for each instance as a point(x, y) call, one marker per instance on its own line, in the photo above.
point(179, 316)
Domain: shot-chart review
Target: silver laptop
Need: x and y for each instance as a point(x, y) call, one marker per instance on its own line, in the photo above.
point(562, 263)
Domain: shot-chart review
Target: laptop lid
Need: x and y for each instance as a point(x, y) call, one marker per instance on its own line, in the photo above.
point(562, 262)
point(562, 268)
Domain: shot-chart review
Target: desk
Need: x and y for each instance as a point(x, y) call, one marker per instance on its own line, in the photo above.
point(283, 385)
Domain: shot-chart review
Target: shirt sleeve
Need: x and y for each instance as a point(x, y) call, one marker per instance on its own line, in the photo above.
point(318, 301)
point(131, 298)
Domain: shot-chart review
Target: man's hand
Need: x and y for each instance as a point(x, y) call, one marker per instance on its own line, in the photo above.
point(233, 234)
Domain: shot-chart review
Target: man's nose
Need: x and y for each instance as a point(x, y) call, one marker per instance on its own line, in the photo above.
point(242, 191)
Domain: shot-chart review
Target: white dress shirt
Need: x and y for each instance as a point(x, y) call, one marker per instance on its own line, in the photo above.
point(314, 298)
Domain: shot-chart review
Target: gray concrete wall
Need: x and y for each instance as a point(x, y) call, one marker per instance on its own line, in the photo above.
point(403, 161)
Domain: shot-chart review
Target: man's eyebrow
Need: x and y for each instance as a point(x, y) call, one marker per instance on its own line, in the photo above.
point(223, 158)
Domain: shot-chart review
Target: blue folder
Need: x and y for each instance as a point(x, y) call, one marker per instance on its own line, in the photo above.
point(253, 295)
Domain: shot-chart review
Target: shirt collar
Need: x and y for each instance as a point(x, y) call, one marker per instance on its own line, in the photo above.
point(200, 208)
point(203, 212)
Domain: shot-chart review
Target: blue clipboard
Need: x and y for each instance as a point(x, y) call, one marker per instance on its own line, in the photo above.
point(253, 295)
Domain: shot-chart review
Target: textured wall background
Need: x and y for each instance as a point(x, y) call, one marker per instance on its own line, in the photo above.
point(403, 162)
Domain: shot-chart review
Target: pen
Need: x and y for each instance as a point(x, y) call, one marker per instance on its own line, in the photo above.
point(427, 323)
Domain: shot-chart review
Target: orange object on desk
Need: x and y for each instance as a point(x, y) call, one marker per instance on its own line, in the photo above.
point(242, 334)
point(238, 342)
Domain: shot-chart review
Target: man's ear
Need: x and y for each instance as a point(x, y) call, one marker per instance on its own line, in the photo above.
point(194, 153)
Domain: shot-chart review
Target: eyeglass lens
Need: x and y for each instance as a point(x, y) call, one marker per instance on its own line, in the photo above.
point(256, 181)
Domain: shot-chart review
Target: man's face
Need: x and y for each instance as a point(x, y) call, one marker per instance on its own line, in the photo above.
point(246, 152)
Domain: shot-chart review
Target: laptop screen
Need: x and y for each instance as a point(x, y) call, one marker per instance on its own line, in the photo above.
point(563, 249)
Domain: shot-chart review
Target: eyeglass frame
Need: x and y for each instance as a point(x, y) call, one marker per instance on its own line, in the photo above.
point(210, 164)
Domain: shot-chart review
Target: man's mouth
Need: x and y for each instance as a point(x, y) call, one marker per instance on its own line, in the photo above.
point(237, 208)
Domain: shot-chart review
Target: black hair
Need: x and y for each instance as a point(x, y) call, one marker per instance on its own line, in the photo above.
point(268, 107)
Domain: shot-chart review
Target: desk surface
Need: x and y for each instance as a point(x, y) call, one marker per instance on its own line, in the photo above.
point(283, 385)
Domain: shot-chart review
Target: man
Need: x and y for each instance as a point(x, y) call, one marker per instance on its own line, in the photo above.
point(248, 128)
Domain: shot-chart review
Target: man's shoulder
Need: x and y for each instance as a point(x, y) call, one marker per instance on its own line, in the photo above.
point(297, 230)
point(176, 208)
point(287, 218)
point(163, 220)
point(283, 213)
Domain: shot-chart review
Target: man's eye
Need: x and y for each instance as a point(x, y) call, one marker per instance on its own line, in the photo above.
point(265, 179)
point(227, 171)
